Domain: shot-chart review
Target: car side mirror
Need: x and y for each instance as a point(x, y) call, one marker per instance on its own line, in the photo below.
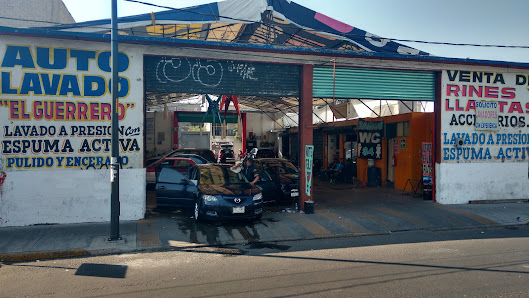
point(195, 182)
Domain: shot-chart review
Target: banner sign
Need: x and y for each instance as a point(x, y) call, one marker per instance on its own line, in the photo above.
point(427, 163)
point(309, 153)
point(55, 109)
point(487, 115)
point(484, 116)
point(370, 139)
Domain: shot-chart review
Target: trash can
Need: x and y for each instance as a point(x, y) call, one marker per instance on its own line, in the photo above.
point(309, 207)
point(373, 176)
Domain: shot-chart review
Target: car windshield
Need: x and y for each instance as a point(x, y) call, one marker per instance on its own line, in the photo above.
point(284, 167)
point(220, 176)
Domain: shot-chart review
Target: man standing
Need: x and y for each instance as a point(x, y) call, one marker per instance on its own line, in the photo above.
point(250, 171)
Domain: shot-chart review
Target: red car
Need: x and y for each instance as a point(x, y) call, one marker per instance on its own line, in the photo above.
point(181, 164)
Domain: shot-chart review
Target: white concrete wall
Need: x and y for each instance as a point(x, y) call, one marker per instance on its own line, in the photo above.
point(68, 196)
point(36, 194)
point(490, 164)
point(464, 182)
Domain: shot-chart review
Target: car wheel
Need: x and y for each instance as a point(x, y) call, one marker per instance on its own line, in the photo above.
point(258, 217)
point(196, 213)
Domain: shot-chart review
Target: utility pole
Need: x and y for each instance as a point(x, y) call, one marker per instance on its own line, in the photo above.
point(114, 160)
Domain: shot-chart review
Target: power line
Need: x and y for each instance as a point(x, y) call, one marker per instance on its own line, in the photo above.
point(102, 27)
point(357, 35)
point(30, 20)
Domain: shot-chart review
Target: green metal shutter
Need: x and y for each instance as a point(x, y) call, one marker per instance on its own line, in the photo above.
point(363, 83)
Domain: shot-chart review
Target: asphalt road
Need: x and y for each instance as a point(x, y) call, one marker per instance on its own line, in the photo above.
point(470, 263)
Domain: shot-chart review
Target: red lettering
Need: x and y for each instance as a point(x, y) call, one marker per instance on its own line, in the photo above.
point(48, 110)
point(121, 111)
point(25, 115)
point(491, 92)
point(471, 105)
point(82, 108)
point(14, 110)
point(447, 105)
point(106, 109)
point(94, 111)
point(515, 106)
point(502, 104)
point(37, 110)
point(508, 93)
point(473, 91)
point(70, 111)
point(458, 107)
point(59, 110)
point(452, 90)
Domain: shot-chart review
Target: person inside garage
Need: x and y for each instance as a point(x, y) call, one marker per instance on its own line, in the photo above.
point(250, 171)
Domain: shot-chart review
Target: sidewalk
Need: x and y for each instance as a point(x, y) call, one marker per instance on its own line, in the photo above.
point(350, 212)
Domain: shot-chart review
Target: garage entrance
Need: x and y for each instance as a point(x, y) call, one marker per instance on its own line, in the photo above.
point(389, 141)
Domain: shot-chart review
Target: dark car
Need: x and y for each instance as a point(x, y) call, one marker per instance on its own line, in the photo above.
point(181, 164)
point(226, 154)
point(212, 190)
point(196, 158)
point(265, 153)
point(205, 153)
point(284, 174)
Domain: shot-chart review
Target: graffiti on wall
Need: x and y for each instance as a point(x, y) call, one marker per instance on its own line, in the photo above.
point(55, 109)
point(484, 116)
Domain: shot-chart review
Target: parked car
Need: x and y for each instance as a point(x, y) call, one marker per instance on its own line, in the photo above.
point(196, 158)
point(284, 174)
point(181, 164)
point(265, 153)
point(212, 190)
point(226, 154)
point(205, 153)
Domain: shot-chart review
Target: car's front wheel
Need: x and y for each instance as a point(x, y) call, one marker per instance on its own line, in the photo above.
point(196, 214)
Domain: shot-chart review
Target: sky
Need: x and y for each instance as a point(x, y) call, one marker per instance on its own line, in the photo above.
point(496, 22)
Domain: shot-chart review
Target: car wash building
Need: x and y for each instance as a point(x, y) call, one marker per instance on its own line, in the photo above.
point(55, 103)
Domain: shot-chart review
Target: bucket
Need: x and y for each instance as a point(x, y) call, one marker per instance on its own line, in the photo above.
point(309, 207)
point(370, 162)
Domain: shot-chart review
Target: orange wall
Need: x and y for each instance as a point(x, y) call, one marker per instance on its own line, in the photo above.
point(409, 160)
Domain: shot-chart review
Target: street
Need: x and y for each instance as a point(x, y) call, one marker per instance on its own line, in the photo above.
point(476, 262)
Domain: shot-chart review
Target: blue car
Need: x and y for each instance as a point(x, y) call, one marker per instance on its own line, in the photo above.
point(213, 191)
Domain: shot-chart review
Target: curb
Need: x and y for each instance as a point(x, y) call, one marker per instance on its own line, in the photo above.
point(82, 252)
point(43, 255)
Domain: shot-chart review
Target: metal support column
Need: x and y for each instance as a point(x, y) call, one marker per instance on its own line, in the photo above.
point(305, 134)
point(114, 160)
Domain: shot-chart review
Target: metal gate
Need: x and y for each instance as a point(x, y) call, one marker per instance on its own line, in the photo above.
point(165, 74)
point(364, 83)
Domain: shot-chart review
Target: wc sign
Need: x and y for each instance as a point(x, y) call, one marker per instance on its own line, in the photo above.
point(370, 139)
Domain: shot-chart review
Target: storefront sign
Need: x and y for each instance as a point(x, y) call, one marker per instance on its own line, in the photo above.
point(427, 163)
point(309, 154)
point(370, 139)
point(484, 116)
point(55, 109)
point(487, 115)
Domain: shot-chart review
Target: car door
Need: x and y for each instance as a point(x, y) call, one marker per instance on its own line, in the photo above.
point(269, 188)
point(173, 189)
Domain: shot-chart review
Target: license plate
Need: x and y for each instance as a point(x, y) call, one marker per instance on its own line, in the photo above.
point(238, 210)
point(294, 193)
